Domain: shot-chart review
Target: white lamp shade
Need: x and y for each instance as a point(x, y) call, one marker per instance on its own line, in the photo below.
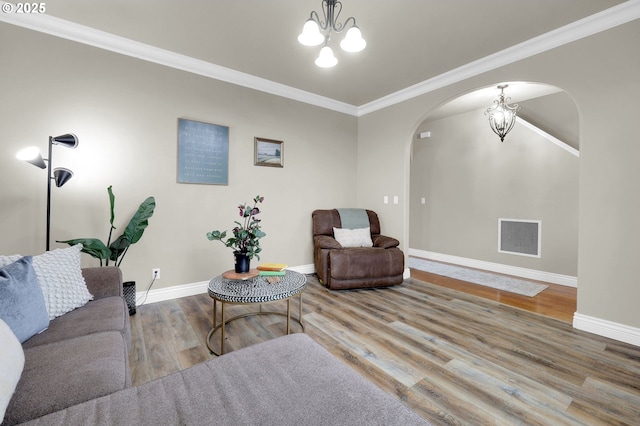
point(310, 35)
point(326, 59)
point(353, 41)
point(31, 155)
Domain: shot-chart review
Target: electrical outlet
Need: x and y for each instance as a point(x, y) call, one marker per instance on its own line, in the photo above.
point(155, 273)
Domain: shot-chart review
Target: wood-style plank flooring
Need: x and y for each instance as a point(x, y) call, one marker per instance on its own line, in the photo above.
point(556, 301)
point(453, 357)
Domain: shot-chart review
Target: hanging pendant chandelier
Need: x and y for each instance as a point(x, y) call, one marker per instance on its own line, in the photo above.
point(317, 31)
point(502, 116)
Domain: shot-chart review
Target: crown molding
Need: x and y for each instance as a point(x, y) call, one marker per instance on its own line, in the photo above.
point(609, 18)
point(90, 36)
point(571, 150)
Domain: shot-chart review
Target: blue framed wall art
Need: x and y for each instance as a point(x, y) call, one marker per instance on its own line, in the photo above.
point(203, 153)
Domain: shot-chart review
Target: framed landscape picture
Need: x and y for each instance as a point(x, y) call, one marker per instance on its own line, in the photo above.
point(268, 152)
point(203, 153)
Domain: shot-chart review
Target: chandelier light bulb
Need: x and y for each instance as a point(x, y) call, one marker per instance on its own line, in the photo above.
point(353, 41)
point(502, 116)
point(326, 59)
point(310, 35)
point(319, 28)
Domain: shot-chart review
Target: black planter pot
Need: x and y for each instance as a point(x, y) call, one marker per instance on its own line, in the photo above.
point(242, 262)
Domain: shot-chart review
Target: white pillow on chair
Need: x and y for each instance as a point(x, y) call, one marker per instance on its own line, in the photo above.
point(360, 237)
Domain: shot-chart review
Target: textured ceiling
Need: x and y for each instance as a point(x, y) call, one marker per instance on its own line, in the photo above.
point(408, 41)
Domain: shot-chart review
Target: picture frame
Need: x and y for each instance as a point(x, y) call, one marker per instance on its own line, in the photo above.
point(203, 153)
point(268, 152)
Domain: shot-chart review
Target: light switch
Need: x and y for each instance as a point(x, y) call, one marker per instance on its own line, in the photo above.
point(395, 199)
point(423, 200)
point(386, 199)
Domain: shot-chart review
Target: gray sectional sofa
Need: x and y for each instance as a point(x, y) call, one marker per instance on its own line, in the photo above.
point(84, 354)
point(77, 373)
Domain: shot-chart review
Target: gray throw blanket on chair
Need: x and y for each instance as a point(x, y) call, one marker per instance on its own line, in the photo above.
point(354, 218)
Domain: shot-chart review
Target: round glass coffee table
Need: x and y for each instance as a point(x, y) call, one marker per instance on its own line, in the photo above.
point(252, 289)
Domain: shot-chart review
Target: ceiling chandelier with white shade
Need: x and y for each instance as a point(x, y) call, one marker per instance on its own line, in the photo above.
point(502, 116)
point(317, 31)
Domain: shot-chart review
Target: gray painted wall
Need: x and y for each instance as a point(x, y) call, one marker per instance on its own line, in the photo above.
point(469, 179)
point(600, 73)
point(125, 113)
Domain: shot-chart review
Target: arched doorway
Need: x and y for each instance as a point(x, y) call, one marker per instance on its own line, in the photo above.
point(463, 180)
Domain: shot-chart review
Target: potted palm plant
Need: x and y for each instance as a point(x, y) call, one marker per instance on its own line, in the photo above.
point(245, 241)
point(116, 250)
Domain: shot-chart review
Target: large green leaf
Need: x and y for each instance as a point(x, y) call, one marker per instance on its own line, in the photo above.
point(119, 247)
point(112, 200)
point(140, 220)
point(92, 246)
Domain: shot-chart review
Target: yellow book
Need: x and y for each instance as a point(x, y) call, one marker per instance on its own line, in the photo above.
point(272, 267)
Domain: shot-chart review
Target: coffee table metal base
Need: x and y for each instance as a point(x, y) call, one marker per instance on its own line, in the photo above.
point(224, 322)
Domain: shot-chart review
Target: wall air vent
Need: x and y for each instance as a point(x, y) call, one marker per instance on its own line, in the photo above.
point(521, 237)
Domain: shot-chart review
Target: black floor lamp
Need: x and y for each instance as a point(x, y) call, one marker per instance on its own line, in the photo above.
point(61, 175)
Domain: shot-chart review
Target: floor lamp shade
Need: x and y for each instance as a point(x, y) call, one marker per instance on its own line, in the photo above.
point(68, 140)
point(32, 156)
point(61, 175)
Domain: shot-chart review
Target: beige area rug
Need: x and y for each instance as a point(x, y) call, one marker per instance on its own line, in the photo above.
point(488, 279)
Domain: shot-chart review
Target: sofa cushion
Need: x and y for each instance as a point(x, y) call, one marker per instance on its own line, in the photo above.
point(290, 380)
point(11, 365)
point(66, 373)
point(103, 281)
point(359, 237)
point(21, 301)
point(60, 278)
point(106, 314)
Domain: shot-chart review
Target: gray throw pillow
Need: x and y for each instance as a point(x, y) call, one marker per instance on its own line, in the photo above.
point(60, 277)
point(21, 301)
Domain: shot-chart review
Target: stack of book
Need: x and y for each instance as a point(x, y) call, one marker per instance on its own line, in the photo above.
point(272, 269)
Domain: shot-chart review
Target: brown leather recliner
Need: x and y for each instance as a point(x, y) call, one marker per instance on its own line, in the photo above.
point(358, 267)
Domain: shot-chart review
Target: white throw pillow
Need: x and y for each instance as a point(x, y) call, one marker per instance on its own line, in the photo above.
point(60, 277)
point(353, 237)
point(11, 365)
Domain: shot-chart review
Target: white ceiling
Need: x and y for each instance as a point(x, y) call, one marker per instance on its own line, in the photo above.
point(408, 41)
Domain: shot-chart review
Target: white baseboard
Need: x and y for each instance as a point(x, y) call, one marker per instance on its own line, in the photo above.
point(184, 290)
point(612, 330)
point(173, 292)
point(304, 269)
point(516, 271)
